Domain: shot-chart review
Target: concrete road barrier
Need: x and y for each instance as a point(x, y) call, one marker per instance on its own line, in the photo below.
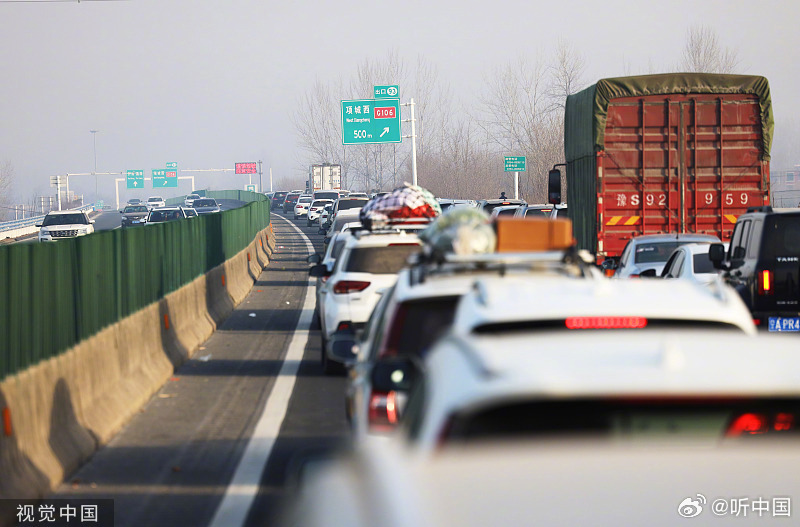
point(61, 410)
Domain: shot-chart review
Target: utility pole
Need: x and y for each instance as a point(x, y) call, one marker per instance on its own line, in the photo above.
point(94, 141)
point(260, 188)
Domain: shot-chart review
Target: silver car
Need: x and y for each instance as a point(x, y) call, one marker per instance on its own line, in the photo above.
point(646, 255)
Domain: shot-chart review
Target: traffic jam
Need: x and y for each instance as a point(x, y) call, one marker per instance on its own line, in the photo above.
point(625, 353)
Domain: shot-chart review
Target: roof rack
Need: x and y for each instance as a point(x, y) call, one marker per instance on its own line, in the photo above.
point(570, 261)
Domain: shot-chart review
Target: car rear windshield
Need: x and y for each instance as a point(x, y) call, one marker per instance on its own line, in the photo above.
point(655, 252)
point(489, 207)
point(154, 200)
point(279, 195)
point(137, 208)
point(380, 260)
point(702, 264)
point(536, 213)
point(781, 236)
point(347, 204)
point(326, 195)
point(65, 219)
point(319, 203)
point(630, 419)
point(421, 322)
point(507, 212)
point(204, 203)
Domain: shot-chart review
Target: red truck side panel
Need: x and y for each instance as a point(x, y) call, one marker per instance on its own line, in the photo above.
point(678, 163)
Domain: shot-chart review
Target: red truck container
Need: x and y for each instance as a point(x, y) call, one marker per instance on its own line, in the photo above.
point(670, 153)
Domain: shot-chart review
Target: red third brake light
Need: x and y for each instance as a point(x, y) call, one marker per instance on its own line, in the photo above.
point(605, 322)
point(349, 286)
point(382, 410)
point(765, 282)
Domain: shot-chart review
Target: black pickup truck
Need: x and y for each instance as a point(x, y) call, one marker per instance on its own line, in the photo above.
point(763, 265)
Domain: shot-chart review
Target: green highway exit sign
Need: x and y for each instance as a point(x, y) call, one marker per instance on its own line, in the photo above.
point(391, 91)
point(135, 178)
point(371, 121)
point(165, 178)
point(514, 164)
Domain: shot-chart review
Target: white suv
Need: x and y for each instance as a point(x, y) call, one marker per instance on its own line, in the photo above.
point(369, 262)
point(155, 201)
point(58, 225)
point(420, 309)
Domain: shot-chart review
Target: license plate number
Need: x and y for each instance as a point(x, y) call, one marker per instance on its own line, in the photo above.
point(784, 324)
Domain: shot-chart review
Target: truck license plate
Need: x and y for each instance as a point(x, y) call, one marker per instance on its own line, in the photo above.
point(784, 324)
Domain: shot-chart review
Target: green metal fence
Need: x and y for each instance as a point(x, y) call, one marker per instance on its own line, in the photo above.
point(53, 295)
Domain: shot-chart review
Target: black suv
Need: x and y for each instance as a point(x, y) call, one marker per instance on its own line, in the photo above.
point(763, 265)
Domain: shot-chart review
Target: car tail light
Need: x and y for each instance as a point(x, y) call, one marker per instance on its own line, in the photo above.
point(344, 326)
point(757, 321)
point(349, 286)
point(383, 410)
point(609, 272)
point(765, 282)
point(756, 424)
point(633, 276)
point(605, 322)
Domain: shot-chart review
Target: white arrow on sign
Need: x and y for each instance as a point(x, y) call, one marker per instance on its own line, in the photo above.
point(135, 183)
point(385, 131)
point(165, 182)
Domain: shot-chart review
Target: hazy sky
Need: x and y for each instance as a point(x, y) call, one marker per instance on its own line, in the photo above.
point(209, 83)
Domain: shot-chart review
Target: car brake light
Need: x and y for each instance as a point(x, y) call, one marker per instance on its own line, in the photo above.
point(383, 410)
point(605, 322)
point(344, 326)
point(633, 276)
point(757, 321)
point(747, 424)
point(349, 286)
point(765, 282)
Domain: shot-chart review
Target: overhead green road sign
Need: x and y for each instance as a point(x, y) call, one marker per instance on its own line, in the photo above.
point(514, 164)
point(173, 164)
point(391, 91)
point(135, 178)
point(163, 178)
point(367, 121)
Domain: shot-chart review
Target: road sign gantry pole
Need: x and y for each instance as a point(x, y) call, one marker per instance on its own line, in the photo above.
point(413, 137)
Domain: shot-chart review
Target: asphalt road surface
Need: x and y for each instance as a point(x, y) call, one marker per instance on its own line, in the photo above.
point(173, 462)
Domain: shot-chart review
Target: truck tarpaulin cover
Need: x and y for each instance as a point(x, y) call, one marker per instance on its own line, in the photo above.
point(587, 110)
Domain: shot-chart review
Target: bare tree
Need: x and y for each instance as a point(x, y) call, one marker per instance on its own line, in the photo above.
point(566, 73)
point(703, 52)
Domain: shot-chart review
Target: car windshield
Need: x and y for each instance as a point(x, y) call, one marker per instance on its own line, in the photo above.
point(380, 260)
point(655, 252)
point(781, 236)
point(347, 204)
point(204, 203)
point(136, 208)
point(157, 216)
point(326, 195)
point(64, 219)
point(154, 200)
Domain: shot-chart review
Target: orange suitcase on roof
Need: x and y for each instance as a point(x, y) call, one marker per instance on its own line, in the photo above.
point(516, 235)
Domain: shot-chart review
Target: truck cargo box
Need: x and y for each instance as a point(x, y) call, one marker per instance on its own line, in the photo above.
point(669, 153)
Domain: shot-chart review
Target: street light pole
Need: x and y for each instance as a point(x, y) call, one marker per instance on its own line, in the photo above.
point(94, 141)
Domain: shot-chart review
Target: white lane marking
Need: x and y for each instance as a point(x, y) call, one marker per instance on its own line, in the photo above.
point(244, 486)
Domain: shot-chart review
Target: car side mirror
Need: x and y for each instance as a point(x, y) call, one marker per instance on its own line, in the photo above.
point(322, 232)
point(91, 221)
point(609, 264)
point(554, 187)
point(318, 271)
point(314, 258)
point(650, 273)
point(38, 225)
point(344, 349)
point(716, 253)
point(397, 374)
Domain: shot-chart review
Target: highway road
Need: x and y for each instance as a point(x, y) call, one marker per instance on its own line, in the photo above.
point(173, 463)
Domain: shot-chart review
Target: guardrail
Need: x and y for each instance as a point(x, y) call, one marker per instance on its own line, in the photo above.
point(30, 222)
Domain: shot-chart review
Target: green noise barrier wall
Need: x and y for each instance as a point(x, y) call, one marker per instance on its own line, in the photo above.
point(54, 295)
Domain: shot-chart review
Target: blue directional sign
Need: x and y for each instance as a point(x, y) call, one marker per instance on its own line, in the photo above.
point(135, 178)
